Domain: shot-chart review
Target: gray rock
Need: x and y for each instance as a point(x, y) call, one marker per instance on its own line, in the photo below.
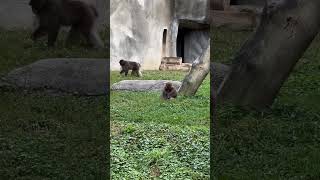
point(77, 76)
point(143, 85)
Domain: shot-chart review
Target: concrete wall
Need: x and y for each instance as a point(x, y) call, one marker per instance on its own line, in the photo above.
point(195, 10)
point(18, 14)
point(137, 29)
point(15, 14)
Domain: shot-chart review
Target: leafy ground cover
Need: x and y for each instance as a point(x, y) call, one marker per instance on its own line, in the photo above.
point(49, 137)
point(282, 143)
point(158, 139)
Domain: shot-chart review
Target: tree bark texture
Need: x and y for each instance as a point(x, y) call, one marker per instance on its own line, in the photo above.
point(265, 61)
point(199, 71)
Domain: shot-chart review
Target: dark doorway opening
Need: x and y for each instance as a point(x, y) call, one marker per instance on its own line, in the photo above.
point(191, 39)
point(181, 42)
point(234, 2)
point(164, 42)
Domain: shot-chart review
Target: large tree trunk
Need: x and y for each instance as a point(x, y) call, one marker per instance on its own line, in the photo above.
point(265, 61)
point(199, 71)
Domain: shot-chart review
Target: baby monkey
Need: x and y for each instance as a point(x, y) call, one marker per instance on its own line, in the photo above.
point(130, 65)
point(169, 92)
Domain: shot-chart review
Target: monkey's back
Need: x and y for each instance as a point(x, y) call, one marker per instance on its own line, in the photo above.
point(73, 12)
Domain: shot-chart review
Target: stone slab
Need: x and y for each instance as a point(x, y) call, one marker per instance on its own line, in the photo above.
point(79, 76)
point(143, 85)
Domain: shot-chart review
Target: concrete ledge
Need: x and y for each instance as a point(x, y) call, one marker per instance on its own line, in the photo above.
point(233, 20)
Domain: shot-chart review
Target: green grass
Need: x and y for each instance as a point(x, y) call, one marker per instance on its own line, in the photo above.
point(47, 137)
point(152, 138)
point(282, 143)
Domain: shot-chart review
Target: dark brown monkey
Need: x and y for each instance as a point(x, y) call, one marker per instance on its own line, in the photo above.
point(130, 65)
point(169, 92)
point(52, 14)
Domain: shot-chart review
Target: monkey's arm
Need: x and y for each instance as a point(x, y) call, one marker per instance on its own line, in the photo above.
point(166, 95)
point(126, 68)
point(173, 94)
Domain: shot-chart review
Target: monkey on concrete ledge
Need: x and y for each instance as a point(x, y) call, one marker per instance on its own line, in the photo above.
point(52, 14)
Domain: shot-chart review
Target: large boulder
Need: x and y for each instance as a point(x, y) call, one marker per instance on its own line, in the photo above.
point(77, 76)
point(143, 85)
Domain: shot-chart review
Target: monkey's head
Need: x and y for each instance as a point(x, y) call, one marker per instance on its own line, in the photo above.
point(122, 62)
point(37, 5)
point(168, 86)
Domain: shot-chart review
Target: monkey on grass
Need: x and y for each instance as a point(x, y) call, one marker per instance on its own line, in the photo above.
point(130, 65)
point(169, 92)
point(53, 14)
